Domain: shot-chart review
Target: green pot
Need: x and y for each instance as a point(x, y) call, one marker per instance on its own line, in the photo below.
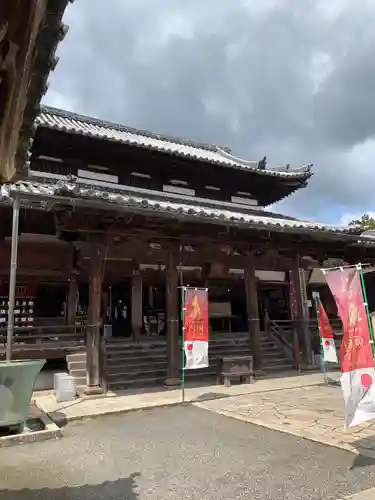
point(17, 380)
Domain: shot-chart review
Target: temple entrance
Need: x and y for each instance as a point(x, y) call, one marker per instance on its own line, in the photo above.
point(154, 309)
point(119, 309)
point(274, 298)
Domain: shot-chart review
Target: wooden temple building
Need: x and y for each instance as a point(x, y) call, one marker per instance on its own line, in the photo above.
point(114, 221)
point(30, 31)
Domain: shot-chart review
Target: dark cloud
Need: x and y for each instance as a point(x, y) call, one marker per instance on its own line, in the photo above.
point(289, 79)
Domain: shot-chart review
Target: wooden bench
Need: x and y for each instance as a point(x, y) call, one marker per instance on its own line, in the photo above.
point(235, 367)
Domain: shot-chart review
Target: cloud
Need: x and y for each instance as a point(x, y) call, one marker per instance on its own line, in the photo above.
point(288, 79)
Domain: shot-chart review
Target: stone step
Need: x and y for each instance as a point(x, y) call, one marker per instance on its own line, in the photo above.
point(122, 385)
point(135, 347)
point(77, 373)
point(150, 360)
point(211, 371)
point(287, 365)
point(76, 357)
point(124, 351)
point(77, 365)
point(141, 365)
point(275, 362)
point(80, 381)
point(273, 354)
point(137, 375)
point(132, 368)
point(238, 344)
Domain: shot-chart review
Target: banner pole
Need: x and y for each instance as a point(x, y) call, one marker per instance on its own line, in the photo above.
point(367, 309)
point(296, 346)
point(322, 363)
point(327, 269)
point(183, 344)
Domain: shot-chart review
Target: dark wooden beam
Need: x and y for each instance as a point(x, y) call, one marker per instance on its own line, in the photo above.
point(136, 304)
point(173, 317)
point(93, 318)
point(72, 298)
point(252, 307)
point(302, 320)
point(316, 245)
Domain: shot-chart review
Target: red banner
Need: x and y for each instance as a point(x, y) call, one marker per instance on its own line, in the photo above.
point(327, 337)
point(196, 328)
point(325, 327)
point(196, 315)
point(356, 350)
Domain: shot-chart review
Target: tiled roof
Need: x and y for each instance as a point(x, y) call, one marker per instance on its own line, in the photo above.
point(139, 203)
point(83, 125)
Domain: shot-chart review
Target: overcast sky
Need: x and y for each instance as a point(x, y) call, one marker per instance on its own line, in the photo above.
point(290, 79)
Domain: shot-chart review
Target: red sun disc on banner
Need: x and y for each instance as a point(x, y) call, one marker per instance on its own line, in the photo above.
point(366, 380)
point(327, 343)
point(190, 347)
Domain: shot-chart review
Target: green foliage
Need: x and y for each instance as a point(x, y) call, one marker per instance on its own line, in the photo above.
point(365, 223)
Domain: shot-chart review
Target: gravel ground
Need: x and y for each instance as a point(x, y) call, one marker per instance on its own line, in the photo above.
point(179, 453)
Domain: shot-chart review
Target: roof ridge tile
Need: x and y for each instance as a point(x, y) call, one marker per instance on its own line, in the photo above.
point(68, 121)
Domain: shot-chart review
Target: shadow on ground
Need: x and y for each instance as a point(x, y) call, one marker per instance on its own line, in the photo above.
point(366, 450)
point(208, 396)
point(362, 461)
point(122, 489)
point(58, 418)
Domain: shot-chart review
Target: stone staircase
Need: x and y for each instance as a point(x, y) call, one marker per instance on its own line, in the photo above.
point(145, 364)
point(273, 359)
point(130, 365)
point(76, 364)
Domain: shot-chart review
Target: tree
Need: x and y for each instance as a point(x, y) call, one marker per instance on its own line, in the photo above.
point(365, 223)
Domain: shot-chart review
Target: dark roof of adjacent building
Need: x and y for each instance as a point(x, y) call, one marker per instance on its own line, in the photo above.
point(51, 32)
point(76, 192)
point(73, 123)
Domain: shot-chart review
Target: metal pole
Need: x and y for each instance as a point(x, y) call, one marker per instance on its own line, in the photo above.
point(327, 269)
point(369, 320)
point(183, 343)
point(12, 277)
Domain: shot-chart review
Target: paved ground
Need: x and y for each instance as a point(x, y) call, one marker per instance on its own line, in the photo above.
point(132, 400)
point(314, 412)
point(179, 453)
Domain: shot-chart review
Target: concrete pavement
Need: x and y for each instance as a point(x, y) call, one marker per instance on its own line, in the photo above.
point(179, 452)
point(314, 412)
point(125, 401)
point(363, 495)
point(300, 405)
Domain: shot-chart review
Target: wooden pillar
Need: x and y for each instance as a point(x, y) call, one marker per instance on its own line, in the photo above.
point(72, 299)
point(172, 295)
point(137, 305)
point(302, 320)
point(206, 269)
point(93, 320)
point(150, 296)
point(253, 313)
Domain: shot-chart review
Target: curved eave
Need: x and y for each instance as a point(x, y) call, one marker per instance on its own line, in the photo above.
point(70, 193)
point(75, 124)
point(283, 191)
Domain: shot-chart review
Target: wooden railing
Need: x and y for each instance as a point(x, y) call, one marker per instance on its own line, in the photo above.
point(283, 330)
point(44, 338)
point(335, 323)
